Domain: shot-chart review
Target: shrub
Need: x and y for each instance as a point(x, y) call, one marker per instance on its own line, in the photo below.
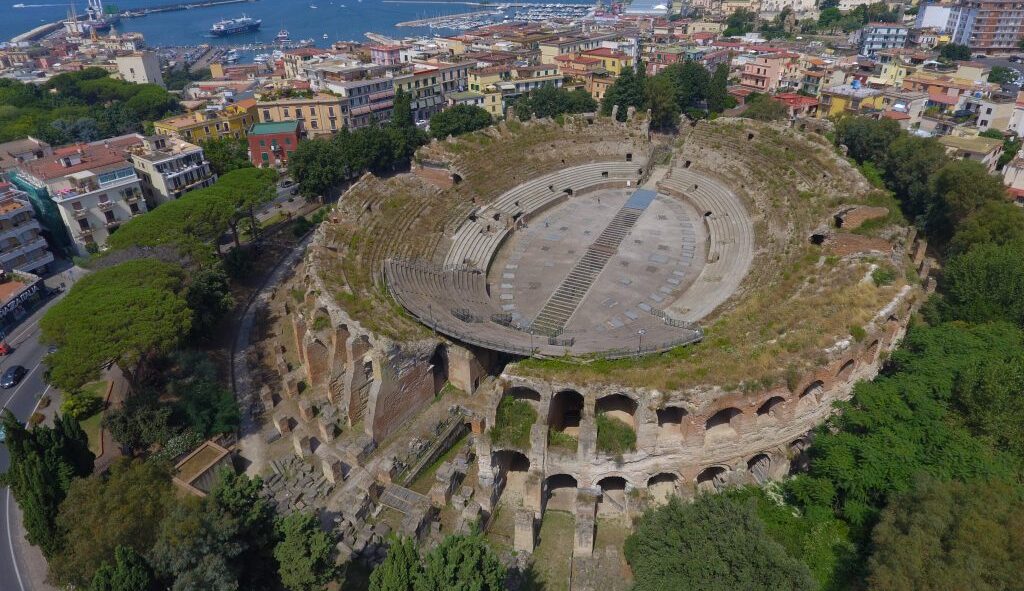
point(560, 440)
point(80, 405)
point(858, 333)
point(614, 436)
point(883, 276)
point(513, 422)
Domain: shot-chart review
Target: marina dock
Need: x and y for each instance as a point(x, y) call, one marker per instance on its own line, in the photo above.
point(180, 6)
point(425, 22)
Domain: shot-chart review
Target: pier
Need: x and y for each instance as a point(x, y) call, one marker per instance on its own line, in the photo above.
point(424, 22)
point(138, 12)
point(38, 32)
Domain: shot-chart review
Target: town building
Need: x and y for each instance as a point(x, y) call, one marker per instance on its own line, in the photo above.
point(987, 25)
point(611, 60)
point(320, 113)
point(170, 167)
point(980, 149)
point(212, 122)
point(569, 44)
point(20, 293)
point(140, 67)
point(270, 144)
point(875, 37)
point(83, 192)
point(766, 73)
point(849, 99)
point(22, 245)
point(15, 152)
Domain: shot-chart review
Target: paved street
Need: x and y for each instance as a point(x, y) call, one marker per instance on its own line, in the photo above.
point(18, 570)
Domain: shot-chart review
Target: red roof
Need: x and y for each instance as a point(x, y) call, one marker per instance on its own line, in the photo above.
point(605, 52)
point(895, 115)
point(942, 98)
point(795, 100)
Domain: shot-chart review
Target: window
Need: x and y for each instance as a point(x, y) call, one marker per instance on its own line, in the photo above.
point(265, 157)
point(110, 217)
point(287, 141)
point(263, 143)
point(77, 206)
point(83, 224)
point(286, 112)
point(298, 112)
point(266, 114)
point(330, 111)
point(313, 123)
point(103, 198)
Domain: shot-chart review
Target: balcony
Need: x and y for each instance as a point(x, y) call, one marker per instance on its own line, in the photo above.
point(84, 233)
point(113, 224)
point(81, 214)
point(133, 198)
point(106, 205)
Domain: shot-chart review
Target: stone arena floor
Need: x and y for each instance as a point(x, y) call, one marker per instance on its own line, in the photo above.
point(657, 260)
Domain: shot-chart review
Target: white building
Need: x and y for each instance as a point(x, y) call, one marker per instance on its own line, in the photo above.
point(170, 167)
point(141, 67)
point(933, 16)
point(22, 246)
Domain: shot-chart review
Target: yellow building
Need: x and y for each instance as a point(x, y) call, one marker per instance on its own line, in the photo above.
point(210, 123)
point(319, 113)
point(481, 78)
point(567, 45)
point(612, 61)
point(848, 99)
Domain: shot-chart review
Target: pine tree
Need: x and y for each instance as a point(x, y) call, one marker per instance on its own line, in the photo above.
point(627, 91)
point(304, 553)
point(718, 94)
point(130, 572)
point(400, 569)
point(462, 563)
point(43, 463)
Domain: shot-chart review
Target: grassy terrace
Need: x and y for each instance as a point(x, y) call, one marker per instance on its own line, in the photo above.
point(796, 300)
point(407, 217)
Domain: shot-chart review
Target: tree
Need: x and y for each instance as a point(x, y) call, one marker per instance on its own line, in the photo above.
point(209, 296)
point(764, 108)
point(314, 164)
point(130, 572)
point(226, 154)
point(985, 284)
point(996, 222)
point(43, 463)
point(101, 513)
point(400, 569)
point(462, 563)
point(950, 535)
point(196, 546)
point(739, 23)
point(1002, 75)
point(988, 398)
point(661, 98)
point(955, 51)
point(458, 120)
point(627, 91)
point(717, 94)
point(961, 187)
point(208, 408)
point(716, 543)
point(304, 553)
point(123, 314)
point(548, 101)
point(140, 424)
point(867, 139)
point(242, 498)
point(908, 165)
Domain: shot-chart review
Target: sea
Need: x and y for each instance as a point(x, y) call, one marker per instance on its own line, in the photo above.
point(324, 21)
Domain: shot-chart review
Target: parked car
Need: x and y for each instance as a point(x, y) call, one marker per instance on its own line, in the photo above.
point(12, 376)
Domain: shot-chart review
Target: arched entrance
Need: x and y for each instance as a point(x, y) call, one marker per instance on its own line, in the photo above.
point(661, 487)
point(759, 467)
point(770, 407)
point(514, 467)
point(670, 422)
point(613, 496)
point(566, 412)
point(619, 407)
point(722, 424)
point(559, 493)
point(711, 479)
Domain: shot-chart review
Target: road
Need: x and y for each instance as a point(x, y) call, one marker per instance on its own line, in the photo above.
point(17, 571)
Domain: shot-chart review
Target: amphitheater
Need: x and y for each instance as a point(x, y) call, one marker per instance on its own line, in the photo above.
point(715, 293)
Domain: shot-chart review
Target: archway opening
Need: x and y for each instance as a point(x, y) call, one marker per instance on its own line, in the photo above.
point(873, 348)
point(661, 487)
point(798, 459)
point(560, 492)
point(759, 467)
point(770, 406)
point(814, 390)
point(619, 407)
point(846, 370)
point(525, 394)
point(439, 367)
point(722, 423)
point(566, 412)
point(711, 479)
point(613, 496)
point(514, 466)
point(670, 422)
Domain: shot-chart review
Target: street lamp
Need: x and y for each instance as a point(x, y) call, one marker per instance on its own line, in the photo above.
point(640, 339)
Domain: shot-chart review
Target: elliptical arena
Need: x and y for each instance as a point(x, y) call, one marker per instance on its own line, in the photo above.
point(713, 292)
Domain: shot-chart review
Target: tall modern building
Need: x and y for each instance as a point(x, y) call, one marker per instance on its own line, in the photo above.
point(22, 246)
point(989, 26)
point(170, 167)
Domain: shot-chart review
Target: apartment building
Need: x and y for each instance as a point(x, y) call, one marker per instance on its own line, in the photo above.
point(271, 144)
point(22, 245)
point(320, 113)
point(83, 192)
point(980, 149)
point(766, 73)
point(213, 122)
point(429, 83)
point(570, 44)
point(848, 99)
point(989, 26)
point(169, 168)
point(875, 37)
point(611, 60)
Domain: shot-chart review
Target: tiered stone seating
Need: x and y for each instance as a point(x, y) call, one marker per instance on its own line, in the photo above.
point(731, 241)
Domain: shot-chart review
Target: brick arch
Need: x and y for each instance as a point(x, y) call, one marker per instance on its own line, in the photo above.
point(812, 391)
point(771, 407)
point(712, 478)
point(723, 422)
point(662, 486)
point(560, 491)
point(845, 370)
point(619, 407)
point(759, 465)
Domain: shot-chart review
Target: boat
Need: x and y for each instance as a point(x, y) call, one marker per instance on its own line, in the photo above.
point(282, 35)
point(233, 26)
point(325, 35)
point(261, 58)
point(231, 56)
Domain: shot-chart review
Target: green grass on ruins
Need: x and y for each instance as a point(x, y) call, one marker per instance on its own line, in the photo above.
point(613, 436)
point(513, 422)
point(797, 299)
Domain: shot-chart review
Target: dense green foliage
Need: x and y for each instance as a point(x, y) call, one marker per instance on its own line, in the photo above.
point(44, 462)
point(764, 108)
point(950, 535)
point(955, 51)
point(82, 106)
point(458, 120)
point(683, 87)
point(126, 314)
point(613, 436)
point(716, 543)
point(226, 154)
point(458, 563)
point(129, 572)
point(321, 165)
point(304, 553)
point(548, 101)
point(400, 569)
point(513, 422)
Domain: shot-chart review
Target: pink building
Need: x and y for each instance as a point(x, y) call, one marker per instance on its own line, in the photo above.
point(386, 55)
point(765, 73)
